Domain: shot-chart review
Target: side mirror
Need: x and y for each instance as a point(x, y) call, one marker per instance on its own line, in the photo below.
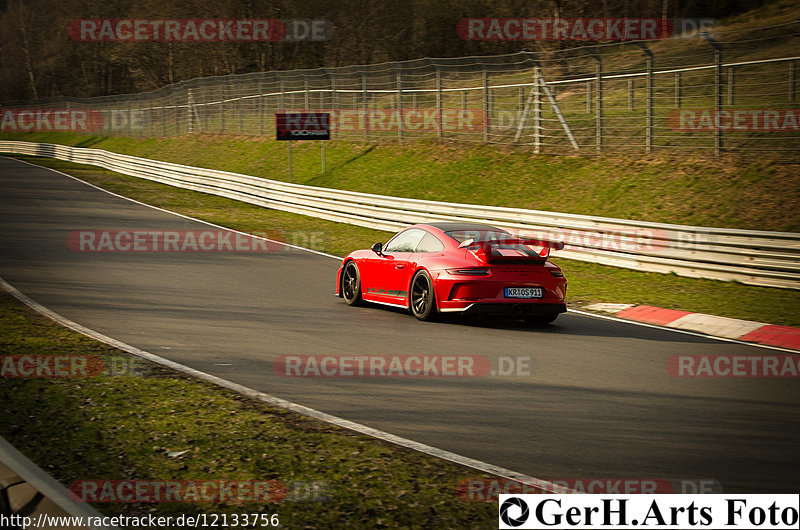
point(377, 247)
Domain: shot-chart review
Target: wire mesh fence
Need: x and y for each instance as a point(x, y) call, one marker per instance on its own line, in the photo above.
point(730, 93)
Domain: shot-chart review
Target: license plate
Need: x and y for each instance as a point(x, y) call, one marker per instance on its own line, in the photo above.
point(523, 292)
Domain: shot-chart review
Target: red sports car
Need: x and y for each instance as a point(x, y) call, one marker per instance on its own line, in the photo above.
point(460, 268)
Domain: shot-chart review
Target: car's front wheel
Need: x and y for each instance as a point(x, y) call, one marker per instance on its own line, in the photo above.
point(540, 320)
point(351, 284)
point(423, 301)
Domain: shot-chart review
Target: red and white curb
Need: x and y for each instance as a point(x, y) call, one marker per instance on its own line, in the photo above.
point(729, 328)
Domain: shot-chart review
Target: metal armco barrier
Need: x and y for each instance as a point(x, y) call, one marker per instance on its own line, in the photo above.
point(26, 490)
point(748, 256)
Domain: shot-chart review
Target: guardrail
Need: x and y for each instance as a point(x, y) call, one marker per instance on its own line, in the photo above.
point(747, 256)
point(39, 497)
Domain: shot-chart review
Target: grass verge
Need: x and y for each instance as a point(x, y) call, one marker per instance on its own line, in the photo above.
point(129, 426)
point(728, 192)
point(589, 283)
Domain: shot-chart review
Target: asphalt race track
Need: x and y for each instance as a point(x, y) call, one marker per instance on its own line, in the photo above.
point(598, 402)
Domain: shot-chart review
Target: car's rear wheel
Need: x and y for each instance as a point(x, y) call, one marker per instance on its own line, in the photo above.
point(423, 301)
point(351, 284)
point(540, 320)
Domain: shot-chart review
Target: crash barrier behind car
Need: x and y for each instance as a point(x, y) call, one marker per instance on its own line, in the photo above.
point(26, 490)
point(747, 256)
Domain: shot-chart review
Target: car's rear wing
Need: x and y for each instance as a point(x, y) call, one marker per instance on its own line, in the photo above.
point(512, 249)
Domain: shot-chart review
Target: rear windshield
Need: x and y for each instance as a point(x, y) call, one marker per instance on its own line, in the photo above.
point(479, 236)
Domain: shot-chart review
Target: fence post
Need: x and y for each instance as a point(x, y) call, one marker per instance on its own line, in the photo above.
point(306, 95)
point(599, 104)
point(486, 115)
point(731, 82)
point(399, 107)
point(163, 113)
point(792, 80)
point(189, 125)
point(678, 90)
point(537, 110)
point(334, 99)
point(588, 97)
point(365, 103)
point(177, 116)
point(463, 100)
point(648, 133)
point(261, 104)
point(282, 95)
point(630, 94)
point(718, 142)
point(439, 131)
point(222, 107)
point(239, 106)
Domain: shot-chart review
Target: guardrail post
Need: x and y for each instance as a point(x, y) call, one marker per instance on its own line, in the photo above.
point(731, 82)
point(399, 107)
point(439, 130)
point(678, 90)
point(792, 80)
point(717, 92)
point(486, 111)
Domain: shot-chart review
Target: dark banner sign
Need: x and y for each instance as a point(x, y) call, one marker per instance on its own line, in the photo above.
point(303, 126)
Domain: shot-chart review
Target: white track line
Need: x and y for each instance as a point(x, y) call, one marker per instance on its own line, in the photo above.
point(278, 402)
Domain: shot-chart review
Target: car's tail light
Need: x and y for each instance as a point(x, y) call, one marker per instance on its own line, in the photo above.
point(556, 274)
point(470, 271)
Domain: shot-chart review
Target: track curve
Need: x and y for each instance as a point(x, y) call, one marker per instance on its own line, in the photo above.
point(598, 402)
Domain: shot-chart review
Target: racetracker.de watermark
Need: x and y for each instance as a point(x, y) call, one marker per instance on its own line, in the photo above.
point(211, 240)
point(490, 489)
point(766, 120)
point(216, 491)
point(758, 366)
point(69, 366)
point(575, 29)
point(448, 366)
point(393, 119)
point(199, 30)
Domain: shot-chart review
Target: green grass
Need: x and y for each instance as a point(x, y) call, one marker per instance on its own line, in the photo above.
point(588, 283)
point(123, 427)
point(729, 193)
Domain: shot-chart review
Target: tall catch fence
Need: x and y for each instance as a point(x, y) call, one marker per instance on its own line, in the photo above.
point(700, 94)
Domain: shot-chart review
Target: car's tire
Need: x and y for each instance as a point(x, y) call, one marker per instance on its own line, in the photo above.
point(421, 297)
point(351, 284)
point(540, 320)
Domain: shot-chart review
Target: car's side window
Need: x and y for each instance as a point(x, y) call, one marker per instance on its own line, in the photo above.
point(430, 243)
point(405, 241)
